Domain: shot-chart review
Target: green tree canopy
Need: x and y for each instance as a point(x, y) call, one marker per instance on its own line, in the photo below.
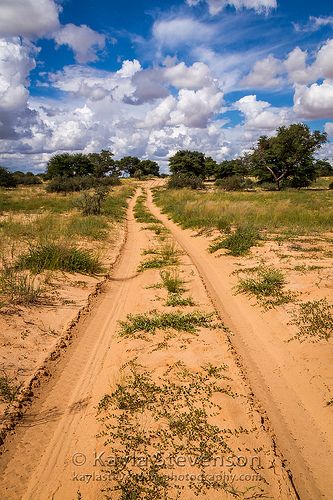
point(149, 167)
point(103, 163)
point(287, 156)
point(188, 162)
point(7, 179)
point(128, 165)
point(69, 165)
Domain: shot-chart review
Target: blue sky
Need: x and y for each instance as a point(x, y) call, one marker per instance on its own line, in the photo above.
point(147, 78)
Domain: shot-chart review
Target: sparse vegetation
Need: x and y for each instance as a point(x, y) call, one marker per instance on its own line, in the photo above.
point(314, 321)
point(268, 287)
point(154, 320)
point(166, 255)
point(18, 288)
point(180, 406)
point(59, 257)
point(238, 242)
point(9, 388)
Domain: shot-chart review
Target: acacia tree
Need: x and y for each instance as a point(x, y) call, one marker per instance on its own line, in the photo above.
point(288, 155)
point(188, 162)
point(69, 165)
point(103, 163)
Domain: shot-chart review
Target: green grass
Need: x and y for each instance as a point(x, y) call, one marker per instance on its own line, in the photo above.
point(237, 243)
point(18, 288)
point(177, 300)
point(142, 214)
point(93, 227)
point(59, 257)
point(172, 281)
point(150, 322)
point(268, 287)
point(293, 211)
point(166, 255)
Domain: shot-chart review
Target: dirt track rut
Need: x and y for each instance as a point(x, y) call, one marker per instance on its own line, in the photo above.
point(56, 439)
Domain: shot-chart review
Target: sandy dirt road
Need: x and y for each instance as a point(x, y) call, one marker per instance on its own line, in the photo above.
point(282, 382)
point(55, 443)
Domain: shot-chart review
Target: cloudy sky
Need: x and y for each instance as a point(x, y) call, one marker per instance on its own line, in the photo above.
point(149, 77)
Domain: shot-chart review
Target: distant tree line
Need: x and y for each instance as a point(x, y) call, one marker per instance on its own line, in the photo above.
point(68, 172)
point(284, 160)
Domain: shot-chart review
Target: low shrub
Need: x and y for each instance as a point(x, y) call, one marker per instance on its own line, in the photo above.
point(234, 183)
point(179, 181)
point(75, 184)
point(239, 242)
point(91, 203)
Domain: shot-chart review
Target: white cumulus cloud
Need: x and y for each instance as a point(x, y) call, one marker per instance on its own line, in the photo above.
point(84, 41)
point(314, 102)
point(29, 18)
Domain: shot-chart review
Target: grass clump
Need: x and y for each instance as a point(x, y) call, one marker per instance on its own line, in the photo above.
point(239, 242)
point(177, 300)
point(9, 389)
point(172, 281)
point(91, 227)
point(267, 287)
point(18, 288)
point(154, 320)
point(59, 257)
point(314, 321)
point(166, 255)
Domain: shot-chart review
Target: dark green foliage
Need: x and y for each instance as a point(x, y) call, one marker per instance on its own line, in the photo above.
point(9, 389)
point(179, 181)
point(69, 165)
point(78, 183)
point(59, 257)
point(188, 162)
point(288, 155)
point(234, 183)
point(134, 167)
point(103, 164)
point(229, 168)
point(26, 179)
point(7, 179)
point(239, 242)
point(324, 168)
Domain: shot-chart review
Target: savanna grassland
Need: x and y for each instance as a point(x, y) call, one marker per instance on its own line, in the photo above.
point(52, 257)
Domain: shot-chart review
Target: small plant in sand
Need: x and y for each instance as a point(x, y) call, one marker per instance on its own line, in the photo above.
point(238, 242)
point(174, 284)
point(154, 320)
point(268, 287)
point(166, 255)
point(314, 321)
point(179, 407)
point(9, 388)
point(18, 288)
